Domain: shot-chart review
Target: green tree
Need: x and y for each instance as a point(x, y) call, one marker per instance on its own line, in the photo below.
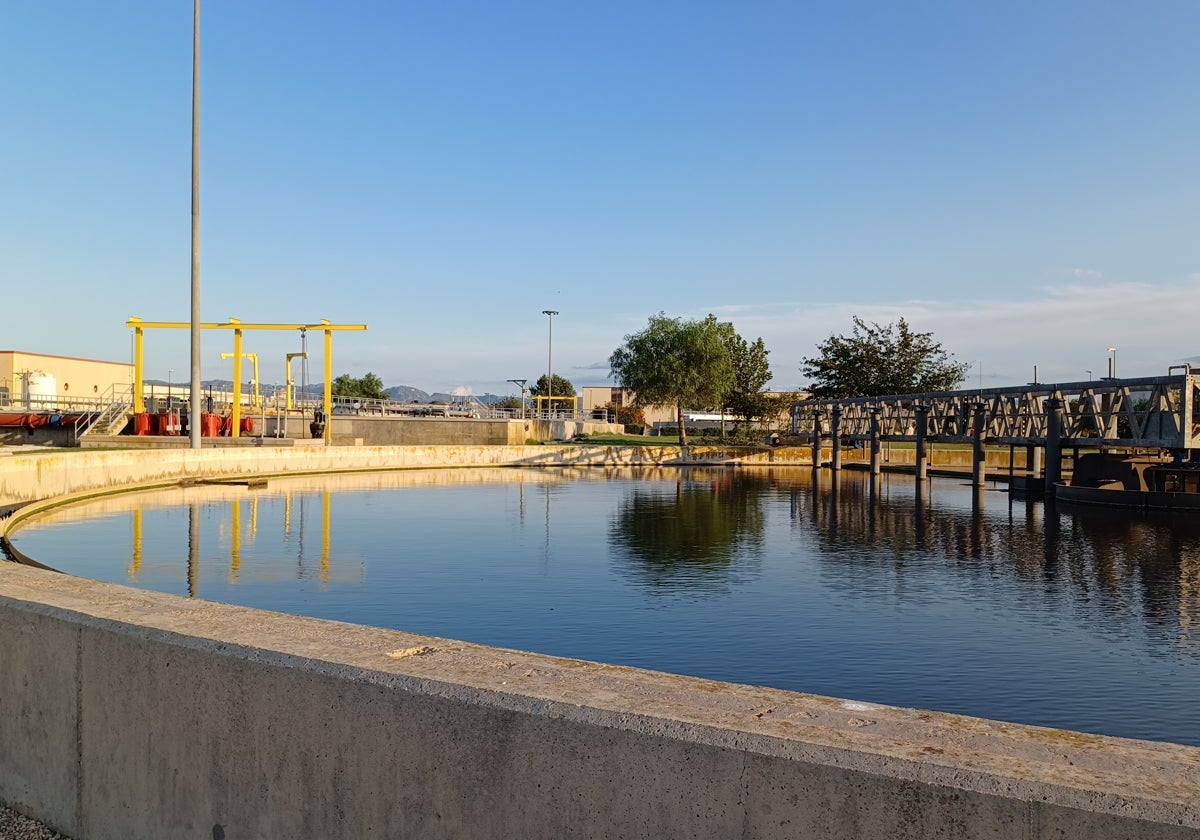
point(562, 388)
point(677, 362)
point(876, 360)
point(751, 373)
point(369, 387)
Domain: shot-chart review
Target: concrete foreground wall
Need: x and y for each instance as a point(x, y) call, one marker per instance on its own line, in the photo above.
point(128, 714)
point(139, 715)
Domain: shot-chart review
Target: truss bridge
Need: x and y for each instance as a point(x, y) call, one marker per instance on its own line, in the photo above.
point(1151, 412)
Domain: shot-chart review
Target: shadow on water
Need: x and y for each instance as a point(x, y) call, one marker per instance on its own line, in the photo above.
point(700, 535)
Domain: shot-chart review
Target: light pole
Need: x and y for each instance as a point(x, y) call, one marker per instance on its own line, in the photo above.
point(550, 360)
point(520, 383)
point(169, 372)
point(194, 368)
point(1112, 363)
point(1089, 373)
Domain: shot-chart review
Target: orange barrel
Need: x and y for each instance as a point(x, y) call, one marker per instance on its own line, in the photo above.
point(247, 427)
point(210, 425)
point(226, 425)
point(158, 424)
point(171, 423)
point(141, 423)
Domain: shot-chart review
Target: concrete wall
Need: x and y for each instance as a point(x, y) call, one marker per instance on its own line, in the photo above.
point(140, 715)
point(26, 477)
point(427, 431)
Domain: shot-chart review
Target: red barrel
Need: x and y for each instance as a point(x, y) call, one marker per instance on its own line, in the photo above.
point(158, 424)
point(226, 425)
point(141, 423)
point(171, 423)
point(210, 425)
point(247, 426)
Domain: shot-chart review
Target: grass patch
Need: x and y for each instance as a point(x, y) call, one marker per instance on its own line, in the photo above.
point(607, 439)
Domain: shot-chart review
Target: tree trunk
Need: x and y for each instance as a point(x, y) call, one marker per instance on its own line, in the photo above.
point(682, 427)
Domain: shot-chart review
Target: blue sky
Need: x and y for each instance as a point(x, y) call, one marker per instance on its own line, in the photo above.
point(1020, 178)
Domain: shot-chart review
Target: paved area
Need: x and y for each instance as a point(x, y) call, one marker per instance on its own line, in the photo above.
point(15, 827)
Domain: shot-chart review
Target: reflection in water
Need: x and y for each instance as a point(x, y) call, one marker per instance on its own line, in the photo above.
point(193, 566)
point(1105, 560)
point(700, 535)
point(933, 595)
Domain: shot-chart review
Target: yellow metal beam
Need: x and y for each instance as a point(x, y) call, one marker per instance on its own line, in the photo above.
point(138, 325)
point(328, 388)
point(139, 389)
point(291, 383)
point(236, 419)
point(234, 324)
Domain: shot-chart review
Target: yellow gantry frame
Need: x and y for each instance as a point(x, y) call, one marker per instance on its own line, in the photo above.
point(253, 357)
point(138, 326)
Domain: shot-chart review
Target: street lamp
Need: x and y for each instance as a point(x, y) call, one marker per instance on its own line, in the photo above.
point(520, 383)
point(1089, 373)
point(1112, 363)
point(169, 372)
point(550, 359)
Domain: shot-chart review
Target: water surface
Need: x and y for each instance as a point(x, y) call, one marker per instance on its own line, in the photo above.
point(1077, 618)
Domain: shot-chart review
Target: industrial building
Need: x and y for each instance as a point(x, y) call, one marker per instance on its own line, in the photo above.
point(39, 382)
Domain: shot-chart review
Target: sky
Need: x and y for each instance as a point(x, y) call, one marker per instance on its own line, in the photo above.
point(1020, 179)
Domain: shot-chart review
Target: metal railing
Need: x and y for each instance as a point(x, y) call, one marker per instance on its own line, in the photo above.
point(1156, 411)
point(113, 408)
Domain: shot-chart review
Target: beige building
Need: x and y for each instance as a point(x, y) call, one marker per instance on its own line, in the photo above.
point(599, 397)
point(34, 381)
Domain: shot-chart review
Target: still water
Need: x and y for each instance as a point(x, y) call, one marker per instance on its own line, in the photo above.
point(993, 606)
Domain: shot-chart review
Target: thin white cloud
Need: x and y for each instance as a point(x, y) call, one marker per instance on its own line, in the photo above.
point(1066, 330)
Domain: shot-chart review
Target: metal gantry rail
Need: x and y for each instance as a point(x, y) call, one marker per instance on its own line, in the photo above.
point(1151, 412)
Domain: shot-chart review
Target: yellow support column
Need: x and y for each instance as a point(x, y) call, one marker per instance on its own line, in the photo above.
point(236, 419)
point(328, 385)
point(139, 396)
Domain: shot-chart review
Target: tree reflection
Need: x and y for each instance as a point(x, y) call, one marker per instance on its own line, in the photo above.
point(700, 535)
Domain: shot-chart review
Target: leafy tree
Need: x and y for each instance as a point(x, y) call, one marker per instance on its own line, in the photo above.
point(751, 373)
point(627, 415)
point(562, 388)
point(878, 360)
point(369, 387)
point(509, 403)
point(675, 362)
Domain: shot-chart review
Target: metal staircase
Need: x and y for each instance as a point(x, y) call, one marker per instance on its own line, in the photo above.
point(112, 418)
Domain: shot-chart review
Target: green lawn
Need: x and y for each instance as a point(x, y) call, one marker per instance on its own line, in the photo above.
point(628, 440)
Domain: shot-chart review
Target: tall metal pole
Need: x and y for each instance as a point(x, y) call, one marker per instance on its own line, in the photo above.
point(1112, 363)
point(550, 361)
point(194, 409)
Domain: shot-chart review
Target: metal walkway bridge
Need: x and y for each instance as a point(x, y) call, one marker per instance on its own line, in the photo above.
point(1151, 412)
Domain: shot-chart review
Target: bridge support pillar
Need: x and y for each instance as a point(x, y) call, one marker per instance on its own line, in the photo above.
point(1033, 461)
point(922, 426)
point(835, 439)
point(1054, 419)
point(876, 463)
point(816, 441)
point(979, 456)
